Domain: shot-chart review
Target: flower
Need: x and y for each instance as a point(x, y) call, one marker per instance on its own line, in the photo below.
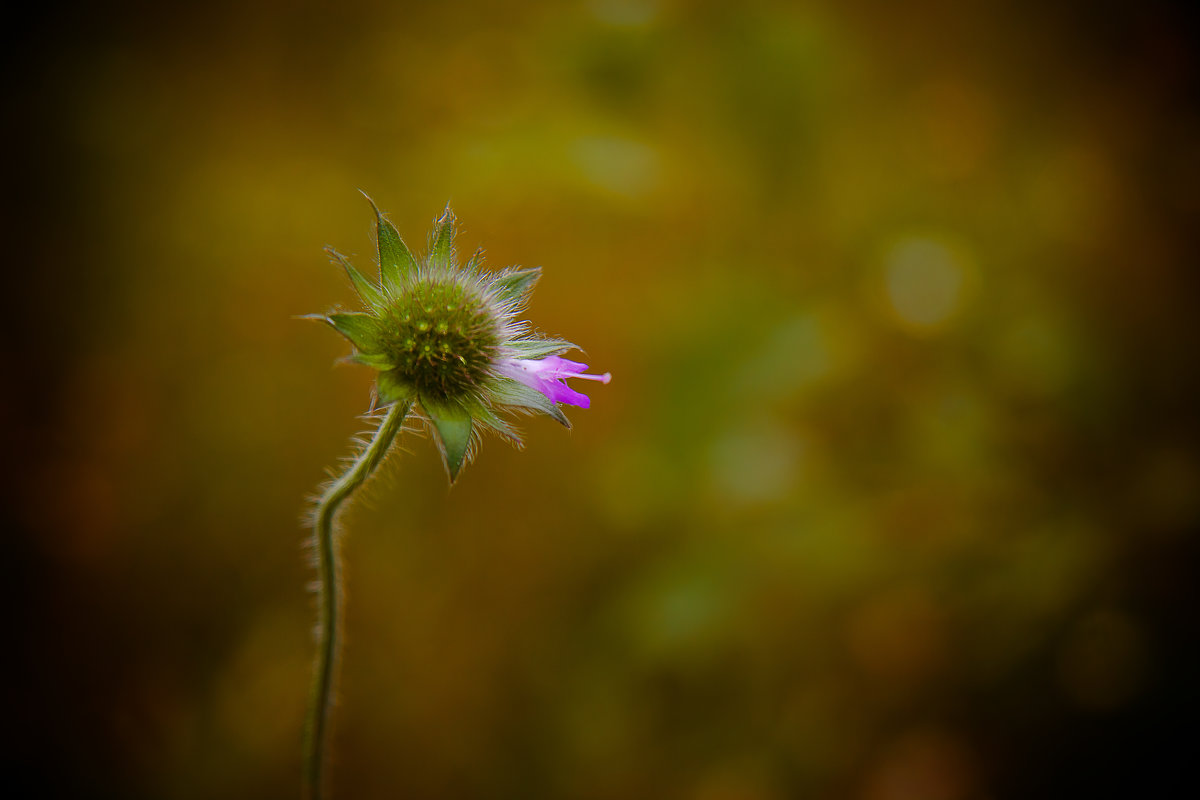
point(548, 376)
point(447, 338)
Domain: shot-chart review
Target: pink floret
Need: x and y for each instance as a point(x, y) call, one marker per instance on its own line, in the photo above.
point(548, 376)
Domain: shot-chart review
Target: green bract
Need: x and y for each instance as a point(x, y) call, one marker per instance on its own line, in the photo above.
point(440, 335)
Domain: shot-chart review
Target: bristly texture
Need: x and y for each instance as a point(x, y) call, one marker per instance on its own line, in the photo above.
point(447, 337)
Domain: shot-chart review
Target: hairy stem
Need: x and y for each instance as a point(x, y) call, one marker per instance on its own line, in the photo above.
point(316, 734)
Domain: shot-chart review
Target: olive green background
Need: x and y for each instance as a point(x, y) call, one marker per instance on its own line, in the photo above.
point(894, 493)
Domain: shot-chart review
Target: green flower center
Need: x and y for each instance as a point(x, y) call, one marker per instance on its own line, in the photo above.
point(441, 336)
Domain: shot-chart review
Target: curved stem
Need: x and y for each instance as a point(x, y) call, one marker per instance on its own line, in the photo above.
point(320, 702)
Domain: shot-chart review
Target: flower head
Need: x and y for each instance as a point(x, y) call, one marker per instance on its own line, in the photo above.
point(448, 339)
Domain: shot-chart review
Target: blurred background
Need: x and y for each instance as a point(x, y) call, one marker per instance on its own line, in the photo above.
point(894, 493)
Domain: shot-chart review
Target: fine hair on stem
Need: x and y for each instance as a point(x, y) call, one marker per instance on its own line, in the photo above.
point(329, 591)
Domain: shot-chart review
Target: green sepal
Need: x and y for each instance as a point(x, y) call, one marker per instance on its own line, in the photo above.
point(516, 285)
point(369, 293)
point(396, 261)
point(474, 263)
point(361, 329)
point(506, 391)
point(392, 388)
point(453, 425)
point(484, 415)
point(373, 360)
point(441, 243)
point(534, 349)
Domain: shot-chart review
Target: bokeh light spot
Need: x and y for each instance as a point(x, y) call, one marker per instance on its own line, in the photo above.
point(926, 282)
point(797, 353)
point(757, 464)
point(618, 165)
point(625, 13)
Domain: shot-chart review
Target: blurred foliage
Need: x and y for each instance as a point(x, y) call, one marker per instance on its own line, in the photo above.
point(894, 493)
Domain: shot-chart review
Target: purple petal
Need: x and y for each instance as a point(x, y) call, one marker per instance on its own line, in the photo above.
point(561, 393)
point(562, 368)
point(548, 376)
